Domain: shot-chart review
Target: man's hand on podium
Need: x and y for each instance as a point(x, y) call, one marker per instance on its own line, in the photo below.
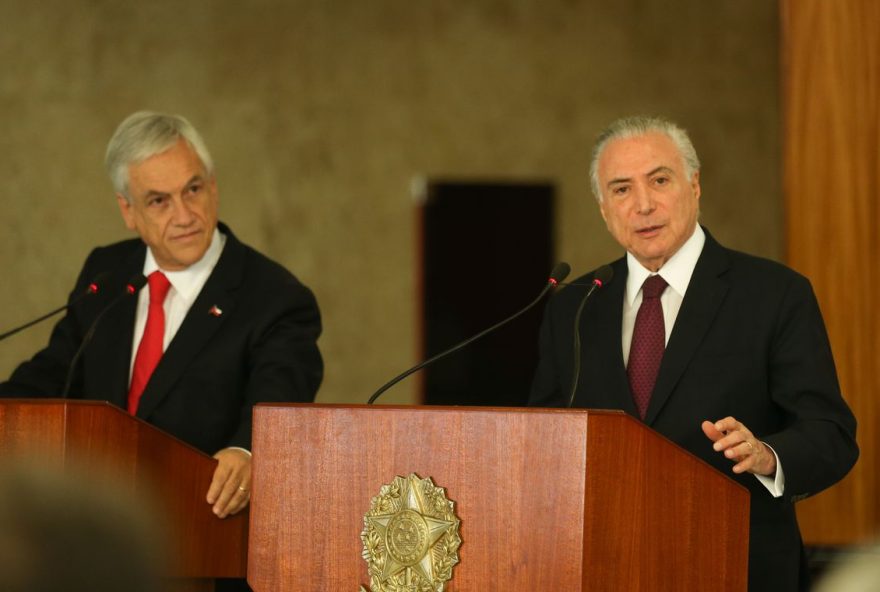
point(230, 489)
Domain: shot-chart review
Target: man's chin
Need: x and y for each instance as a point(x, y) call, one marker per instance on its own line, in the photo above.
point(652, 258)
point(184, 258)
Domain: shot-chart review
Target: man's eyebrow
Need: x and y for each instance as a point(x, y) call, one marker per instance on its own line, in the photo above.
point(157, 193)
point(618, 180)
point(661, 169)
point(651, 173)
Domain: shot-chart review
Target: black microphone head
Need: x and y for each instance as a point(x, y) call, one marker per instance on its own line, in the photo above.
point(559, 273)
point(135, 283)
point(602, 276)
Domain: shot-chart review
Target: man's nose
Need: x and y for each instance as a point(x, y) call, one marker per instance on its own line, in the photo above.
point(182, 214)
point(644, 200)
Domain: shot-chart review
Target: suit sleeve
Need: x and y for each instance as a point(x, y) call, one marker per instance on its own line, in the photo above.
point(817, 446)
point(546, 388)
point(284, 363)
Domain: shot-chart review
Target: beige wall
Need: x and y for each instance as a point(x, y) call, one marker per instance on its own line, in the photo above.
point(320, 114)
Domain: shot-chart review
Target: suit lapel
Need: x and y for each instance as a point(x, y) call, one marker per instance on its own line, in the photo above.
point(199, 326)
point(705, 294)
point(604, 349)
point(113, 343)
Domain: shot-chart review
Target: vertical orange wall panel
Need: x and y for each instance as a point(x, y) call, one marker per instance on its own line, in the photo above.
point(831, 157)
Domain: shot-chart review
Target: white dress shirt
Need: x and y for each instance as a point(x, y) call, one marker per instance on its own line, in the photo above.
point(185, 287)
point(677, 272)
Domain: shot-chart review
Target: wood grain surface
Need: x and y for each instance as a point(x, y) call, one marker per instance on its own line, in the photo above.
point(549, 500)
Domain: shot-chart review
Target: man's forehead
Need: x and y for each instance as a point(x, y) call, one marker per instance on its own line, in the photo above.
point(180, 161)
point(639, 155)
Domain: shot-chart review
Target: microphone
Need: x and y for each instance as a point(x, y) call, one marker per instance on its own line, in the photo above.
point(559, 273)
point(601, 277)
point(93, 288)
point(133, 286)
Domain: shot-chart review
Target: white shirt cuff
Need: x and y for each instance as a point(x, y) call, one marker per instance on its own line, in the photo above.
point(776, 486)
point(248, 452)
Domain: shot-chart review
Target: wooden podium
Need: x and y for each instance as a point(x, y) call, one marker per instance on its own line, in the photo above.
point(105, 441)
point(549, 500)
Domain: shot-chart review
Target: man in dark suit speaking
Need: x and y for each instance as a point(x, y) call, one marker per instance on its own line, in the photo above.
point(218, 329)
point(723, 353)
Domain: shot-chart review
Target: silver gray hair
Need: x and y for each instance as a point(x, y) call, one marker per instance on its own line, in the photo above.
point(630, 127)
point(145, 134)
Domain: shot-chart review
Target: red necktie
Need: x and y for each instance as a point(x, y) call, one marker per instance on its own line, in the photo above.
point(150, 349)
point(648, 344)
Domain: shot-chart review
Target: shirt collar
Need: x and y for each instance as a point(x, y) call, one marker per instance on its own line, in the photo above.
point(188, 282)
point(677, 271)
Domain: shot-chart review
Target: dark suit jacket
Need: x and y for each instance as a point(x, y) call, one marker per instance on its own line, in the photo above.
point(262, 347)
point(749, 341)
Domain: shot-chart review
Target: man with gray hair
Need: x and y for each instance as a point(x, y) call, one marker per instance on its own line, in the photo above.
point(220, 329)
point(724, 353)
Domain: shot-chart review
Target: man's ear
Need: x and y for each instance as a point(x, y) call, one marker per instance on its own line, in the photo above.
point(126, 210)
point(602, 210)
point(695, 184)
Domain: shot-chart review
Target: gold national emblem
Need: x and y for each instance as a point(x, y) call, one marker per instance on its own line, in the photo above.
point(410, 537)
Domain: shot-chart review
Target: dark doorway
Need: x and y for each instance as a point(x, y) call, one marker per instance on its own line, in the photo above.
point(487, 250)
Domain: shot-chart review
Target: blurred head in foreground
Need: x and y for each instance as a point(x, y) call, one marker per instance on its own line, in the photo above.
point(59, 533)
point(858, 570)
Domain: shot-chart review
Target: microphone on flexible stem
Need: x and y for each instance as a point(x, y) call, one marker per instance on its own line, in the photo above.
point(92, 288)
point(601, 278)
point(559, 273)
point(133, 286)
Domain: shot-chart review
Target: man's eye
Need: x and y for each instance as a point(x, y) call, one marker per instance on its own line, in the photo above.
point(194, 189)
point(661, 180)
point(620, 190)
point(155, 201)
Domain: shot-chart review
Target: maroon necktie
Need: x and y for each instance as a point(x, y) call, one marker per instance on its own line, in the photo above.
point(150, 348)
point(648, 344)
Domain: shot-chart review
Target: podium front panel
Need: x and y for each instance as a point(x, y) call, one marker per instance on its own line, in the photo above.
point(540, 494)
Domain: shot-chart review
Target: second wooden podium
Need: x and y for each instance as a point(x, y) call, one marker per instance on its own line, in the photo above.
point(548, 501)
point(105, 442)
